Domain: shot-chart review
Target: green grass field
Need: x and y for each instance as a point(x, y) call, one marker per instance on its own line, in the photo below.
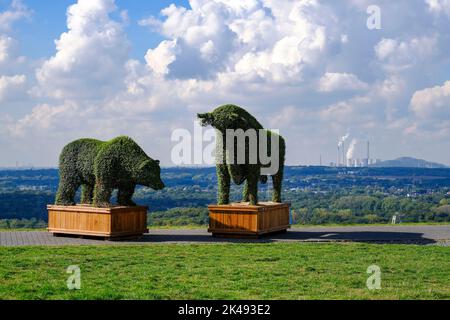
point(227, 271)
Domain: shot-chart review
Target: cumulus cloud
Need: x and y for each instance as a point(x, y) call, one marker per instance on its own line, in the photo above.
point(439, 6)
point(10, 86)
point(310, 68)
point(340, 81)
point(432, 103)
point(45, 116)
point(398, 55)
point(17, 11)
point(91, 55)
point(253, 39)
point(7, 48)
point(161, 57)
point(13, 80)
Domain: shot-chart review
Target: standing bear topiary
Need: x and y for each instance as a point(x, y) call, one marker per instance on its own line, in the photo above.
point(231, 117)
point(100, 167)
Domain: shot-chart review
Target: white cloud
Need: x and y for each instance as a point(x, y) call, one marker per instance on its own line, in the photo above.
point(15, 12)
point(91, 55)
point(340, 81)
point(7, 48)
point(151, 22)
point(252, 39)
point(11, 86)
point(44, 116)
point(439, 6)
point(296, 65)
point(161, 57)
point(286, 116)
point(398, 55)
point(432, 103)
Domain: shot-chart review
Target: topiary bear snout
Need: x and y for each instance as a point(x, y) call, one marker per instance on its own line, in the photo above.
point(150, 175)
point(206, 119)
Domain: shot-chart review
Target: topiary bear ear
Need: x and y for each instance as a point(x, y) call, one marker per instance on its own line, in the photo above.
point(157, 162)
point(145, 164)
point(238, 120)
point(233, 117)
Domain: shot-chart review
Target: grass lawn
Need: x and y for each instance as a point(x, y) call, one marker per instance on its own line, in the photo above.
point(405, 224)
point(227, 271)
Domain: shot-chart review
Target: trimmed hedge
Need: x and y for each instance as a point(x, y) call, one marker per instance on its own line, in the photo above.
point(234, 117)
point(100, 167)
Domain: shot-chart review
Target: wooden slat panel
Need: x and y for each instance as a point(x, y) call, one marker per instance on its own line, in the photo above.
point(84, 220)
point(242, 219)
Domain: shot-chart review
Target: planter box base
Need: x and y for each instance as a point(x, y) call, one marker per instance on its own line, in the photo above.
point(112, 223)
point(241, 220)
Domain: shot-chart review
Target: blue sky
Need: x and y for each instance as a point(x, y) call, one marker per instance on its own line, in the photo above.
point(312, 69)
point(48, 20)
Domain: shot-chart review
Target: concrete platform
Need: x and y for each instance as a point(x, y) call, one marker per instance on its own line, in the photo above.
point(420, 235)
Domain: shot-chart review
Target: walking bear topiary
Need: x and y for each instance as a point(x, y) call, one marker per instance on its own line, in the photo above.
point(99, 167)
point(234, 118)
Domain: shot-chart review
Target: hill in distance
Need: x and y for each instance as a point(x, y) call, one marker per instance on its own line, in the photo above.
point(408, 162)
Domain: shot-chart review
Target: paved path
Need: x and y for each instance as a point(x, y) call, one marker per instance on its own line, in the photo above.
point(423, 235)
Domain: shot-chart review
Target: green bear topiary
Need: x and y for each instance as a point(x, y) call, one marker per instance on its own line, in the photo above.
point(234, 117)
point(99, 167)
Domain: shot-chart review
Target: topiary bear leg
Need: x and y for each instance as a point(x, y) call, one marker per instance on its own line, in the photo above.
point(87, 194)
point(277, 184)
point(246, 196)
point(66, 191)
point(252, 190)
point(124, 197)
point(253, 176)
point(102, 196)
point(223, 178)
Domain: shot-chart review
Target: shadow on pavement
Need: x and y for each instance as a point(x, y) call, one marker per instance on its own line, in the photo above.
point(296, 236)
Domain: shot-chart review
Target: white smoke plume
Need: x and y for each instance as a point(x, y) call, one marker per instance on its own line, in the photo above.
point(351, 149)
point(343, 139)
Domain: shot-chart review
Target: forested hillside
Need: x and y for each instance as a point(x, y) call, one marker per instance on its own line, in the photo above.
point(318, 195)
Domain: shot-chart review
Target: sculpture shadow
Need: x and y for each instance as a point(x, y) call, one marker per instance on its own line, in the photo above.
point(380, 237)
point(374, 237)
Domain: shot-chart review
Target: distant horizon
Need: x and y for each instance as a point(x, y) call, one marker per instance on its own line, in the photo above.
point(212, 167)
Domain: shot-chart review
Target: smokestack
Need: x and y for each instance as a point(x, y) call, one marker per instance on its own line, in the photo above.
point(368, 151)
point(349, 162)
point(344, 160)
point(338, 157)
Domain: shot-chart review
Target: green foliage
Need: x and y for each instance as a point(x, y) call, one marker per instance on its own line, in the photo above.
point(25, 195)
point(233, 117)
point(356, 209)
point(99, 167)
point(179, 217)
point(22, 224)
point(25, 205)
point(362, 204)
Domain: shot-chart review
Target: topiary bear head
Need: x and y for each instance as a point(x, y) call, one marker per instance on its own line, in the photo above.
point(229, 117)
point(149, 175)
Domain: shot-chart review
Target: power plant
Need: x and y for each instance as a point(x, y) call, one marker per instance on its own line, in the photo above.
point(346, 157)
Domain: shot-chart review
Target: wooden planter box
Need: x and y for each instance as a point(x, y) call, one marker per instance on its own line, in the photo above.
point(243, 220)
point(109, 223)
